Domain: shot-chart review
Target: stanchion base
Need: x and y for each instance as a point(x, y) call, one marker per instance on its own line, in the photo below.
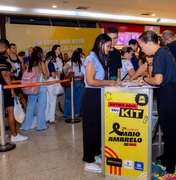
point(72, 121)
point(7, 147)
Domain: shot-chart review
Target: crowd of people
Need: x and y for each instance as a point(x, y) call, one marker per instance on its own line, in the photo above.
point(51, 66)
point(104, 66)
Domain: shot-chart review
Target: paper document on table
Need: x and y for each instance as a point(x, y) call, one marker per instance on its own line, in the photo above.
point(135, 84)
point(129, 84)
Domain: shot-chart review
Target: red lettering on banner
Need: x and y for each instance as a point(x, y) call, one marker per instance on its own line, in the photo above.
point(123, 105)
point(131, 144)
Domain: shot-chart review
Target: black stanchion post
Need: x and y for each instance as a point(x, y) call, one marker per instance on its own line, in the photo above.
point(4, 146)
point(73, 119)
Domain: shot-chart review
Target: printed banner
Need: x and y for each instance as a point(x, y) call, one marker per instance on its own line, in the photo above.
point(70, 38)
point(126, 134)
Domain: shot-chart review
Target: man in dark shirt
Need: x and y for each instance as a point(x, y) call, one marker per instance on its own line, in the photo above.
point(170, 40)
point(8, 94)
point(115, 57)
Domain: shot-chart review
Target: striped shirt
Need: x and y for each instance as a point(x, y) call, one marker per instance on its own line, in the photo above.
point(3, 67)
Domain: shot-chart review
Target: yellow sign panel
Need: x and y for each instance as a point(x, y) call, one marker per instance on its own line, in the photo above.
point(25, 36)
point(126, 134)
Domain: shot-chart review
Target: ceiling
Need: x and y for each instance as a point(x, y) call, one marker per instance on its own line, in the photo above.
point(108, 10)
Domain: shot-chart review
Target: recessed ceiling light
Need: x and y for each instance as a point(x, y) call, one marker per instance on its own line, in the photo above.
point(82, 7)
point(65, 1)
point(54, 6)
point(146, 14)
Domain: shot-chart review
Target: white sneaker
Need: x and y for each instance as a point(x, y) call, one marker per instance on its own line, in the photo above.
point(98, 160)
point(92, 167)
point(18, 138)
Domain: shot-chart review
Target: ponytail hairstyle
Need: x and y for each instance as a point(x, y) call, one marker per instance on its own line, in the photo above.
point(125, 49)
point(76, 58)
point(100, 53)
point(151, 36)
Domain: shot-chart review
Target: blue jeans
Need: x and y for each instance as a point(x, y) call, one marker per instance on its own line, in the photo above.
point(78, 91)
point(40, 100)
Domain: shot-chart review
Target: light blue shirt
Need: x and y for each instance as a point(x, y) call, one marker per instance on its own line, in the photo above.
point(99, 71)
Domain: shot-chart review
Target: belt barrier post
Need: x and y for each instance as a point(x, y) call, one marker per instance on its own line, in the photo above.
point(73, 119)
point(4, 146)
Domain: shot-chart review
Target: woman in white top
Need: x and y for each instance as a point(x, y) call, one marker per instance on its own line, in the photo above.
point(58, 59)
point(127, 69)
point(51, 98)
point(58, 64)
point(75, 66)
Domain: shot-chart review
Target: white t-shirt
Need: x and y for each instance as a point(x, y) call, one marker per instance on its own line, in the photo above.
point(126, 66)
point(58, 64)
point(75, 69)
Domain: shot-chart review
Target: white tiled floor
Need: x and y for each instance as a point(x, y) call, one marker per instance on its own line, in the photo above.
point(53, 154)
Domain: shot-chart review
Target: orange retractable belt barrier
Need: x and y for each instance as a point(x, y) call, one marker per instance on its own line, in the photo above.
point(16, 83)
point(34, 84)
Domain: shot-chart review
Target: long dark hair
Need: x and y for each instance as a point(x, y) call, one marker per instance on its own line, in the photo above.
point(54, 54)
point(99, 51)
point(76, 58)
point(36, 57)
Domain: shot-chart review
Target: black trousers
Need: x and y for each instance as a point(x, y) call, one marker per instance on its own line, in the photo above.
point(8, 99)
point(167, 117)
point(91, 114)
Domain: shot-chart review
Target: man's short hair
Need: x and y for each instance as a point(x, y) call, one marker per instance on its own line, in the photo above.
point(167, 35)
point(111, 29)
point(12, 44)
point(5, 42)
point(133, 41)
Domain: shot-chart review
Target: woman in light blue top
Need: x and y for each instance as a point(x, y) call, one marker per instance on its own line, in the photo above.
point(95, 69)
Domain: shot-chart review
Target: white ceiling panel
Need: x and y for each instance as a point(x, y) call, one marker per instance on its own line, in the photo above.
point(164, 9)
